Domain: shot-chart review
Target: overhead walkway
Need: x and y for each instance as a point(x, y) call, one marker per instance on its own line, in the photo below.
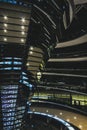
point(68, 59)
point(78, 2)
point(77, 41)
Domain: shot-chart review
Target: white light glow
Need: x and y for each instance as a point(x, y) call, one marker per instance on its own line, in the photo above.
point(80, 126)
point(23, 20)
point(22, 33)
point(5, 17)
point(46, 110)
point(5, 39)
point(31, 52)
point(5, 30)
point(27, 64)
point(61, 113)
point(5, 25)
point(31, 48)
point(75, 117)
point(68, 120)
point(22, 40)
point(22, 27)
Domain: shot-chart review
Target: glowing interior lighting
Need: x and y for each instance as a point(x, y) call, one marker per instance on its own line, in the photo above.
point(5, 17)
point(22, 33)
point(46, 110)
point(61, 113)
point(22, 40)
point(5, 30)
point(80, 126)
point(23, 20)
point(68, 120)
point(5, 25)
point(27, 64)
point(31, 52)
point(22, 27)
point(31, 48)
point(5, 39)
point(75, 117)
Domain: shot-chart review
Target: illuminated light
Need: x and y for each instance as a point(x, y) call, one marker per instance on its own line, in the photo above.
point(31, 52)
point(75, 117)
point(22, 27)
point(31, 48)
point(5, 39)
point(5, 17)
point(23, 20)
point(80, 126)
point(22, 40)
point(47, 111)
point(61, 113)
point(22, 33)
point(5, 30)
point(68, 120)
point(5, 25)
point(27, 64)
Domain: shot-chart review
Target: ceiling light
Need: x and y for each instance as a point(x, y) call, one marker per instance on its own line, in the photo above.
point(75, 117)
point(5, 17)
point(22, 27)
point(22, 33)
point(23, 20)
point(61, 113)
point(68, 120)
point(5, 30)
point(31, 48)
point(31, 52)
point(46, 110)
point(22, 40)
point(27, 64)
point(5, 39)
point(5, 25)
point(80, 126)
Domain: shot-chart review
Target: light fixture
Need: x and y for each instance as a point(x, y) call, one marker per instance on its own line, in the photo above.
point(5, 17)
point(68, 120)
point(23, 20)
point(31, 48)
point(61, 113)
point(5, 30)
point(22, 27)
point(31, 52)
point(22, 33)
point(27, 64)
point(5, 25)
point(80, 126)
point(5, 39)
point(75, 117)
point(46, 110)
point(22, 40)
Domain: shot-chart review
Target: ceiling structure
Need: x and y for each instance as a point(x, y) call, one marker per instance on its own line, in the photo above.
point(43, 46)
point(66, 68)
